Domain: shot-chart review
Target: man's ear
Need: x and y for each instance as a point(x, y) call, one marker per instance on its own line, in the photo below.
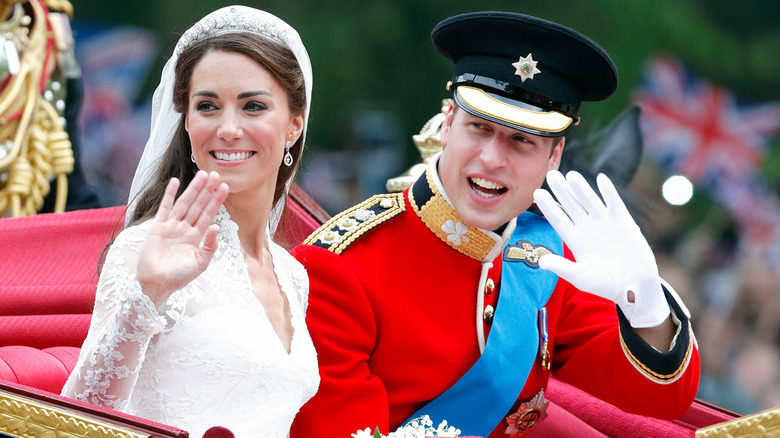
point(556, 153)
point(444, 132)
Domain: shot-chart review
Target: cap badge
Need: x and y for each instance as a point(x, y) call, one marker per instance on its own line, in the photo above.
point(526, 67)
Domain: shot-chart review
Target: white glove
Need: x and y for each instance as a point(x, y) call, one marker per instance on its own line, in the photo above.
point(612, 256)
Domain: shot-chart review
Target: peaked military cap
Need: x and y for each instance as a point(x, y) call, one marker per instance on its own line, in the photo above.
point(523, 72)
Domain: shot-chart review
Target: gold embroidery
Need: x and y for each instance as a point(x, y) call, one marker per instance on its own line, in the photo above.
point(530, 253)
point(341, 230)
point(437, 214)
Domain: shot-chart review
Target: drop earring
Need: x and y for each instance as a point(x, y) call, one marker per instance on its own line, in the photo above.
point(288, 158)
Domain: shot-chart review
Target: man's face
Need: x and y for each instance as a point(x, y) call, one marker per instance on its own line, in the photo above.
point(490, 171)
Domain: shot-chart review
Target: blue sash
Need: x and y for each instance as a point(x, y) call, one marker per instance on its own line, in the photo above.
point(481, 398)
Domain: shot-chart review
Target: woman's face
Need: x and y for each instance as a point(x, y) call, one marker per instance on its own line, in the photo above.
point(238, 120)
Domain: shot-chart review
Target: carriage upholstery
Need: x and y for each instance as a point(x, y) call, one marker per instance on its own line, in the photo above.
point(48, 277)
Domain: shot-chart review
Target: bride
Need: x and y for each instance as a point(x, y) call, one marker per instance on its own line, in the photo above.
point(199, 315)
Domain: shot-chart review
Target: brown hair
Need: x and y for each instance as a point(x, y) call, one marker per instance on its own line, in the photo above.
point(276, 58)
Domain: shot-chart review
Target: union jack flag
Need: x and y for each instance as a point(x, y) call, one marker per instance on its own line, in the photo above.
point(701, 131)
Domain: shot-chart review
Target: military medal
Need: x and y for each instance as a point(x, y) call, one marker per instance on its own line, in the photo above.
point(528, 415)
point(544, 353)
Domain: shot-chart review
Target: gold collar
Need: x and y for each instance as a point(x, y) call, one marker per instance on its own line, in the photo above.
point(439, 216)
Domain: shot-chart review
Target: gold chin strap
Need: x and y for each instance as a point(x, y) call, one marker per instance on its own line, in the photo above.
point(34, 147)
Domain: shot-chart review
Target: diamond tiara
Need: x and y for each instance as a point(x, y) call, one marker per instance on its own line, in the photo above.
point(232, 20)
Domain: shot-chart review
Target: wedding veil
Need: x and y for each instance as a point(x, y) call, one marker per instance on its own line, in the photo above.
point(230, 19)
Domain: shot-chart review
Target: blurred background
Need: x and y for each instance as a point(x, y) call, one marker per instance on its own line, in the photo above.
point(706, 73)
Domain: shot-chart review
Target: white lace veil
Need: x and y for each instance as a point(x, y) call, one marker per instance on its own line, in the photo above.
point(230, 19)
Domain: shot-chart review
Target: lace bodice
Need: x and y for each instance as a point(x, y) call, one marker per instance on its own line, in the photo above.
point(209, 357)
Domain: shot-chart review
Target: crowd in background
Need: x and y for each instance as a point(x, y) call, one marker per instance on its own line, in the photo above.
point(731, 292)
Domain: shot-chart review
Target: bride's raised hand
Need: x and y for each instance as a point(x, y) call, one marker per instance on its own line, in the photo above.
point(181, 239)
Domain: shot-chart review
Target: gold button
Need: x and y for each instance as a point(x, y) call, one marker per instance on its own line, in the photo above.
point(489, 286)
point(487, 315)
point(386, 203)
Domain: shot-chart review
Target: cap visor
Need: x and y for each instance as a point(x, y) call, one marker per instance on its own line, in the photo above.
point(488, 106)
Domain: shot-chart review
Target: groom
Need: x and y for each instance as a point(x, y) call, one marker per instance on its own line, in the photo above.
point(460, 297)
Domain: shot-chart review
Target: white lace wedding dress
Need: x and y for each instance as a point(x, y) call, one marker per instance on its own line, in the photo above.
point(210, 357)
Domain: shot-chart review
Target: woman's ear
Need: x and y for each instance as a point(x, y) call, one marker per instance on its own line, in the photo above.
point(296, 127)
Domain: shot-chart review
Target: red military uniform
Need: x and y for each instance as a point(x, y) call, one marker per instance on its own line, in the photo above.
point(392, 309)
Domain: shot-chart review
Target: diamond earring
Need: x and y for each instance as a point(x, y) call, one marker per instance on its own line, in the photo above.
point(288, 158)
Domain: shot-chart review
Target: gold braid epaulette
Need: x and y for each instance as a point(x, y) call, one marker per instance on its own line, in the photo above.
point(34, 146)
point(343, 229)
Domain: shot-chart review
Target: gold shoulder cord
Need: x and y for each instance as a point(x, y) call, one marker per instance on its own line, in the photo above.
point(35, 47)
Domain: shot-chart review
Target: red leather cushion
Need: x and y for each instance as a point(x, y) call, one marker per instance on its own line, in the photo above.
point(607, 418)
point(52, 253)
point(49, 275)
point(42, 331)
point(46, 369)
point(562, 423)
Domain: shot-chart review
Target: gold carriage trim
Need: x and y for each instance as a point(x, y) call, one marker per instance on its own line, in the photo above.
point(761, 424)
point(22, 417)
point(341, 230)
point(658, 377)
point(439, 216)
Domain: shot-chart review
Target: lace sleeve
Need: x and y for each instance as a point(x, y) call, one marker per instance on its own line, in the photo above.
point(123, 322)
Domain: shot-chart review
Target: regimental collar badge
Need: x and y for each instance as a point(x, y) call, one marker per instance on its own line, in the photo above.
point(526, 252)
point(528, 415)
point(526, 67)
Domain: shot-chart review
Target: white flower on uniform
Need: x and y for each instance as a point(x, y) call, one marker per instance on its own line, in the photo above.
point(364, 215)
point(456, 232)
